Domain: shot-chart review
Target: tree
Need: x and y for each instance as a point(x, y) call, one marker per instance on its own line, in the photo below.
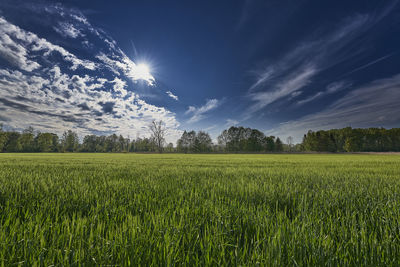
point(123, 144)
point(111, 143)
point(3, 138)
point(203, 142)
point(70, 141)
point(27, 140)
point(352, 144)
point(158, 131)
point(223, 139)
point(170, 148)
point(182, 143)
point(289, 142)
point(269, 143)
point(143, 145)
point(254, 141)
point(46, 142)
point(89, 143)
point(278, 145)
point(13, 142)
point(194, 142)
point(235, 138)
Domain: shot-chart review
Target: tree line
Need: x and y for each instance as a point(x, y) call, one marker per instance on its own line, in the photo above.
point(33, 141)
point(352, 140)
point(232, 140)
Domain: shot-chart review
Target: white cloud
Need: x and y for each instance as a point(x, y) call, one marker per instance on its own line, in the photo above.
point(120, 86)
point(68, 29)
point(198, 113)
point(171, 95)
point(52, 97)
point(17, 46)
point(15, 53)
point(373, 105)
point(60, 102)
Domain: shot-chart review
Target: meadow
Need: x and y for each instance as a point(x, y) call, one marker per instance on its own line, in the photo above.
point(208, 210)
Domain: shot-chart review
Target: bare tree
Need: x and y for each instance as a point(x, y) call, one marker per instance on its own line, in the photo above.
point(289, 142)
point(157, 134)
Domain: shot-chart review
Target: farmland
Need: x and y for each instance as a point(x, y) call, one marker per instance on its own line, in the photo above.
point(175, 209)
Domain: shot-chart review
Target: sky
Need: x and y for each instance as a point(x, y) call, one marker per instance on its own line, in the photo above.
point(283, 67)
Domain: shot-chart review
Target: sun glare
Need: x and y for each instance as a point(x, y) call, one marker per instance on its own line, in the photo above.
point(142, 72)
point(143, 68)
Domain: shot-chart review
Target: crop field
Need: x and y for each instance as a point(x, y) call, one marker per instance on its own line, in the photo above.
point(174, 209)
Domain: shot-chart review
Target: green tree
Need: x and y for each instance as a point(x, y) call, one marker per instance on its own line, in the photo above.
point(27, 140)
point(90, 143)
point(70, 141)
point(46, 142)
point(203, 142)
point(269, 143)
point(223, 140)
point(182, 145)
point(278, 145)
point(169, 148)
point(3, 138)
point(255, 141)
point(13, 142)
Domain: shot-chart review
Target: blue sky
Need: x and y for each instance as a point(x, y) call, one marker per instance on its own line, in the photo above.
point(283, 67)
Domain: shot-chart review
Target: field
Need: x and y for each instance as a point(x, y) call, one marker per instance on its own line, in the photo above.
point(171, 209)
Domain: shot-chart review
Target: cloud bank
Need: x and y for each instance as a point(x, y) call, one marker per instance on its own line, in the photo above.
point(44, 85)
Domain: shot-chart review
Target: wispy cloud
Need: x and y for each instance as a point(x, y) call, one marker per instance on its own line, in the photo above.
point(373, 62)
point(171, 95)
point(199, 113)
point(246, 10)
point(212, 127)
point(330, 89)
point(296, 70)
point(310, 98)
point(296, 94)
point(231, 122)
point(372, 105)
point(283, 88)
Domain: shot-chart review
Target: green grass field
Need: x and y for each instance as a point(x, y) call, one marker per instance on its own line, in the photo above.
point(171, 209)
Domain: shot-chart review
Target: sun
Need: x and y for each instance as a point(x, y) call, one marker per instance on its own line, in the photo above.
point(142, 72)
point(142, 69)
point(139, 72)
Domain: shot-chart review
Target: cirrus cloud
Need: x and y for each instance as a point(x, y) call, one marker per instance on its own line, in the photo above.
point(198, 113)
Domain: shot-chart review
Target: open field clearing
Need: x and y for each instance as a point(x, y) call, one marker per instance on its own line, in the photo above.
point(174, 209)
